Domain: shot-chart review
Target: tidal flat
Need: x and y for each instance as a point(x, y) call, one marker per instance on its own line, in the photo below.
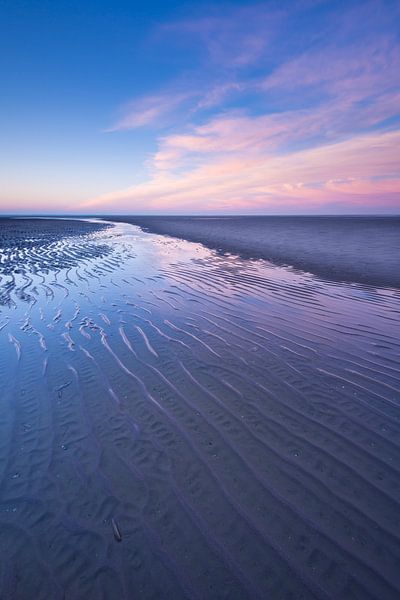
point(178, 422)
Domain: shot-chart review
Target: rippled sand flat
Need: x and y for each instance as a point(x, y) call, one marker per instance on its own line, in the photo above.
point(176, 423)
point(365, 249)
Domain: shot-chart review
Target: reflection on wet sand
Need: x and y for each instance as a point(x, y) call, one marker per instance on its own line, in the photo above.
point(180, 424)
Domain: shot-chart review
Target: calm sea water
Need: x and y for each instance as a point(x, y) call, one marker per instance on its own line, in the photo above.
point(363, 249)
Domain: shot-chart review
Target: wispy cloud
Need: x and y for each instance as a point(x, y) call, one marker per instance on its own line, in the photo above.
point(230, 37)
point(362, 168)
point(271, 123)
point(150, 110)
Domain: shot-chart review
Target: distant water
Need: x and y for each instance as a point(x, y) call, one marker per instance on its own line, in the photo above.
point(364, 249)
point(179, 423)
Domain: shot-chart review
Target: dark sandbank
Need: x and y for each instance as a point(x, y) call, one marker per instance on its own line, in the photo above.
point(34, 245)
point(28, 230)
point(363, 249)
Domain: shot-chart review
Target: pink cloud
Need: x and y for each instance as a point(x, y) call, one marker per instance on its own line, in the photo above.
point(235, 132)
point(150, 110)
point(364, 169)
point(323, 146)
point(356, 69)
point(163, 108)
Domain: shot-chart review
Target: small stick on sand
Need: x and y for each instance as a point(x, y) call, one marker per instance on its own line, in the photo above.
point(116, 530)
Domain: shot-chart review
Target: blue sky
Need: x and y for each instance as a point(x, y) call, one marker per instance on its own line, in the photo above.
point(261, 107)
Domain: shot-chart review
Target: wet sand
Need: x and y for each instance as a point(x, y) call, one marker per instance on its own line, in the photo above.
point(364, 249)
point(179, 423)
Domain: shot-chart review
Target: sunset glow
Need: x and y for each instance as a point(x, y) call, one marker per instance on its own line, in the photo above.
point(228, 108)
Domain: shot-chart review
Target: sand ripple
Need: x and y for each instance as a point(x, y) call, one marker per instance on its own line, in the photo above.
point(179, 424)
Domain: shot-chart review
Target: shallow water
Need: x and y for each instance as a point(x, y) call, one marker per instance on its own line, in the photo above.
point(179, 424)
point(363, 249)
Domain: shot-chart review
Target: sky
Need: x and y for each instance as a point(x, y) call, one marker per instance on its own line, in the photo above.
point(113, 107)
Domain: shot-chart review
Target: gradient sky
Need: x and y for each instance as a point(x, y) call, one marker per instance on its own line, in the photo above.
point(189, 107)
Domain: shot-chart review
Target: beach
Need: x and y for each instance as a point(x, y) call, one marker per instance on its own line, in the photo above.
point(203, 418)
point(363, 249)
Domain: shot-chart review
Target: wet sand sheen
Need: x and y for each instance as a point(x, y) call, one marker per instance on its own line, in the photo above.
point(180, 424)
point(365, 249)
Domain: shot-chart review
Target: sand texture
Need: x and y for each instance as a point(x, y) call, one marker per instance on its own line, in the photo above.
point(361, 249)
point(178, 423)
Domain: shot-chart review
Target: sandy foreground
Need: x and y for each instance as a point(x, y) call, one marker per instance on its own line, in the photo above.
point(179, 423)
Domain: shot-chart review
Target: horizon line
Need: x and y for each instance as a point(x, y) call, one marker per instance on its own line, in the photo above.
point(214, 215)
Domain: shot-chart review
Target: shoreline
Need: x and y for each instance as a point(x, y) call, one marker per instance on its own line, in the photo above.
point(364, 250)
